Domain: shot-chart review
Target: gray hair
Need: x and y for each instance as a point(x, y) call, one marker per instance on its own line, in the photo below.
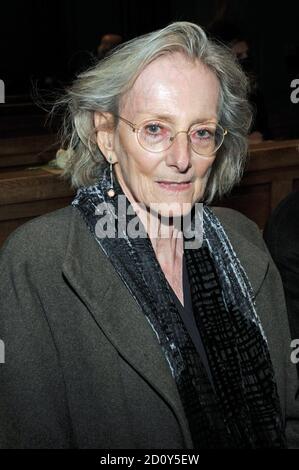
point(101, 88)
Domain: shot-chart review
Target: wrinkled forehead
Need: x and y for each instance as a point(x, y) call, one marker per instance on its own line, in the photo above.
point(170, 80)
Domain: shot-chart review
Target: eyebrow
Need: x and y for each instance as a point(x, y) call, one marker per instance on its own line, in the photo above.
point(169, 118)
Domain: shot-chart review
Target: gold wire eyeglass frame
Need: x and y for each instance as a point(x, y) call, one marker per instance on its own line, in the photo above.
point(135, 128)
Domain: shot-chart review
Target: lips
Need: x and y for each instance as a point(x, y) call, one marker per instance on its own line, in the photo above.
point(174, 185)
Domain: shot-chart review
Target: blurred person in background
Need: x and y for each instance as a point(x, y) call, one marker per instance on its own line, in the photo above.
point(108, 43)
point(237, 41)
point(282, 237)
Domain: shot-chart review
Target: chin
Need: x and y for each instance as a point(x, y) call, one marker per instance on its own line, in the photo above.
point(168, 209)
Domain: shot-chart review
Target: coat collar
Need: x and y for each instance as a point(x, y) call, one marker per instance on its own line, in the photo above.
point(118, 315)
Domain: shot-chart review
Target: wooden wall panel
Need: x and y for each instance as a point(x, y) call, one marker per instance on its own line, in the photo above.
point(272, 173)
point(27, 150)
point(253, 200)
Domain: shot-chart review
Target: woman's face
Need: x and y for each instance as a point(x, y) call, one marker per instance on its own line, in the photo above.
point(182, 92)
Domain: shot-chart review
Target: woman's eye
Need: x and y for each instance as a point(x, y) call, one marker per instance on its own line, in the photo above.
point(203, 133)
point(153, 128)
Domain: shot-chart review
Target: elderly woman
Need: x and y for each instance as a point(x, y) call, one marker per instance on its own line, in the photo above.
point(117, 335)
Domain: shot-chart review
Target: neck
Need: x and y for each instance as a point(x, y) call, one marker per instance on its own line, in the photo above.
point(167, 242)
point(169, 250)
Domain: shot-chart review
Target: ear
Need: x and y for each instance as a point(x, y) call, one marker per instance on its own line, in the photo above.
point(105, 135)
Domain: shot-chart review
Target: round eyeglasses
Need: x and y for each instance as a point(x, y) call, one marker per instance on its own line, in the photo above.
point(156, 136)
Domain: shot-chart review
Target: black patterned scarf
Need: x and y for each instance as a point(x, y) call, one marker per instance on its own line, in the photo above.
point(240, 407)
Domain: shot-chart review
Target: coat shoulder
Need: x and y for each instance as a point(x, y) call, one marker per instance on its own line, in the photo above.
point(40, 236)
point(238, 225)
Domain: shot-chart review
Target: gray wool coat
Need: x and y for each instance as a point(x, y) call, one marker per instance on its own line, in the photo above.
point(83, 368)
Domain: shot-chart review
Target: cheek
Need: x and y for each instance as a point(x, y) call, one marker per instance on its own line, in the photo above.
point(135, 162)
point(203, 170)
point(143, 166)
point(203, 167)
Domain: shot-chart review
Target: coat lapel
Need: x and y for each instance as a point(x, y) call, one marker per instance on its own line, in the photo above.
point(253, 258)
point(116, 312)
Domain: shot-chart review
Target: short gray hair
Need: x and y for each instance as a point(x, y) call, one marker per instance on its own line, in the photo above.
point(101, 87)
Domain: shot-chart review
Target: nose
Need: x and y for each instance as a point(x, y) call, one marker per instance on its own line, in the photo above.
point(179, 153)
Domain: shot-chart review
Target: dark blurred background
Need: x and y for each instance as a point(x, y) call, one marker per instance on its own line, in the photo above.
point(45, 43)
